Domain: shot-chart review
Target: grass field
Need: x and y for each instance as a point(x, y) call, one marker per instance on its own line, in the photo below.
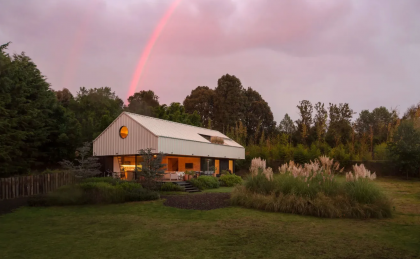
point(151, 230)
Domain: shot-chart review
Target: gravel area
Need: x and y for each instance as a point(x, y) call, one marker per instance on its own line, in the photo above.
point(206, 201)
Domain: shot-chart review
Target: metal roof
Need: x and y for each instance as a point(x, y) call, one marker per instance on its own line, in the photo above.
point(170, 129)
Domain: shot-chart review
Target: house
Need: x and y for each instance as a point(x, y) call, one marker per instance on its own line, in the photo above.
point(185, 147)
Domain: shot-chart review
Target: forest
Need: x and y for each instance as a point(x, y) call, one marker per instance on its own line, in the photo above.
point(40, 127)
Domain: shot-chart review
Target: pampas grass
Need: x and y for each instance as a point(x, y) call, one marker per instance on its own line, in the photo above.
point(313, 189)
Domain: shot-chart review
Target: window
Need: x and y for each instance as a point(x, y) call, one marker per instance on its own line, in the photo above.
point(189, 166)
point(123, 132)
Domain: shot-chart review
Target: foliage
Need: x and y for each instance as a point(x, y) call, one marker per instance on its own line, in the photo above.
point(339, 130)
point(258, 118)
point(95, 109)
point(171, 187)
point(104, 190)
point(176, 113)
point(287, 126)
point(312, 189)
point(201, 100)
point(405, 150)
point(35, 129)
point(230, 180)
point(205, 182)
point(216, 140)
point(143, 102)
point(152, 168)
point(86, 165)
point(382, 152)
point(229, 102)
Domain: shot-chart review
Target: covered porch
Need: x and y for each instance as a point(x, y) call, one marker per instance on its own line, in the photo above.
point(176, 169)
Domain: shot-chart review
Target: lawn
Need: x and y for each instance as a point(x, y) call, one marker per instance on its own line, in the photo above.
point(151, 230)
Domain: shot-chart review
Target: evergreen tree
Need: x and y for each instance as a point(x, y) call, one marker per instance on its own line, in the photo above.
point(229, 103)
point(35, 129)
point(201, 100)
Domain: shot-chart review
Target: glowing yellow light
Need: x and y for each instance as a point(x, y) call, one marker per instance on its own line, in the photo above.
point(123, 132)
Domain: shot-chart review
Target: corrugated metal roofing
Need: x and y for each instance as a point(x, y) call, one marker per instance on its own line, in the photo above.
point(177, 130)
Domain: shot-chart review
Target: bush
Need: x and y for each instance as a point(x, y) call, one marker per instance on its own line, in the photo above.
point(95, 191)
point(313, 190)
point(171, 187)
point(141, 195)
point(230, 180)
point(381, 152)
point(205, 182)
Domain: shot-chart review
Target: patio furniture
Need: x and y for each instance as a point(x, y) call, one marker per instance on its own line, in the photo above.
point(173, 176)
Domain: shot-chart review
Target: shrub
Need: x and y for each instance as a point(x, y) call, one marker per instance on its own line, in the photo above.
point(171, 187)
point(95, 191)
point(205, 182)
point(141, 195)
point(110, 180)
point(230, 180)
point(312, 189)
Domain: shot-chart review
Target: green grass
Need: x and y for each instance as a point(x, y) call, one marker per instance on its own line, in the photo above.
point(151, 230)
point(221, 189)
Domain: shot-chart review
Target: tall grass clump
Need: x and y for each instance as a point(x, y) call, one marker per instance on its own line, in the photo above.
point(313, 189)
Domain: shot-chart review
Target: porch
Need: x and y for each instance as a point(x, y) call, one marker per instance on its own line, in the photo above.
point(171, 176)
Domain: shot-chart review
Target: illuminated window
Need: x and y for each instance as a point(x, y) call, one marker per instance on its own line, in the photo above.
point(123, 132)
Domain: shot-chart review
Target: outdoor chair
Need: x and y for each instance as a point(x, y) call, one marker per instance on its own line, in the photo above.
point(173, 176)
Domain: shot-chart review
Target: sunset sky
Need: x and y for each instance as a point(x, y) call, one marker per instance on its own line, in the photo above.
point(363, 52)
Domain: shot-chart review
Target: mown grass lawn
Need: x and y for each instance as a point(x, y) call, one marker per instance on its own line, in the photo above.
point(151, 230)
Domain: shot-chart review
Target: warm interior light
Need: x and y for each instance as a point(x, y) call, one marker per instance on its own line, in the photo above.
point(123, 132)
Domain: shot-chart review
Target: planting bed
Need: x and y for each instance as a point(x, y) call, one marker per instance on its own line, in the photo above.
point(207, 201)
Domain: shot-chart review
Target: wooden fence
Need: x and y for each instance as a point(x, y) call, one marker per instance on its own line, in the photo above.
point(23, 186)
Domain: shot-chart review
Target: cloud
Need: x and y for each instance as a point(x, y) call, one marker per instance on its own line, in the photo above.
point(366, 53)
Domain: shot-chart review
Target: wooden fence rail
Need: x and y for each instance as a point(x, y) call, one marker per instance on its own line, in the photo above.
point(23, 186)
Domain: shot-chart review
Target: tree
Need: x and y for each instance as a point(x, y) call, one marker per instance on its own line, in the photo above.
point(228, 103)
point(152, 168)
point(258, 118)
point(64, 97)
point(35, 129)
point(305, 121)
point(86, 165)
point(176, 112)
point(95, 109)
point(320, 121)
point(405, 149)
point(201, 100)
point(339, 130)
point(143, 102)
point(412, 112)
point(380, 120)
point(238, 133)
point(287, 126)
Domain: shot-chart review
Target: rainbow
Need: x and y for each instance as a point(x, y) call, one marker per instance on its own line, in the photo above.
point(148, 49)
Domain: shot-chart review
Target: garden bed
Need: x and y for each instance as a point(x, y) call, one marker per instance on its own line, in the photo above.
point(207, 201)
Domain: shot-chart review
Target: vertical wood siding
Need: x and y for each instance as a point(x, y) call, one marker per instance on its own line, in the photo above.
point(109, 143)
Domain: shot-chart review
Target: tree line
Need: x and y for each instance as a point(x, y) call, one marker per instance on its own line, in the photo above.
point(40, 127)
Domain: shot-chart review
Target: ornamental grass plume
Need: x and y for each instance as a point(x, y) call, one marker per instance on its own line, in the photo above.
point(312, 189)
point(360, 172)
point(258, 166)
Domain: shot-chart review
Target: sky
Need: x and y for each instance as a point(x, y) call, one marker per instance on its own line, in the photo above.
point(365, 53)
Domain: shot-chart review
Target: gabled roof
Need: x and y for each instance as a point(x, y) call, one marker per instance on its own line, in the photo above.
point(170, 129)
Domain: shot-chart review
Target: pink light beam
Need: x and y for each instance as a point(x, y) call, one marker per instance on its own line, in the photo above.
point(148, 49)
